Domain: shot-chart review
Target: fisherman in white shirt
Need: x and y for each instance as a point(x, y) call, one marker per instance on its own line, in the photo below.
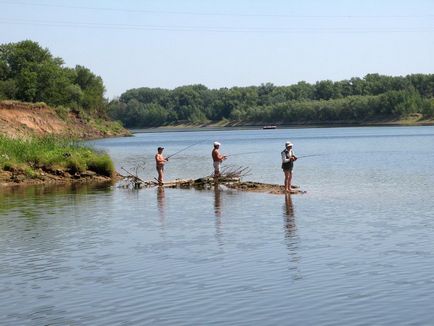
point(288, 158)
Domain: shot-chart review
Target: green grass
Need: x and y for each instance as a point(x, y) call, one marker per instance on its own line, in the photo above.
point(107, 127)
point(50, 153)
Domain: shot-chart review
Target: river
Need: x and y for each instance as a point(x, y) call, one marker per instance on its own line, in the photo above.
point(356, 249)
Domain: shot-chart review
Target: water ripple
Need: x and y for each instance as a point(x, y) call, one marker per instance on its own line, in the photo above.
point(356, 250)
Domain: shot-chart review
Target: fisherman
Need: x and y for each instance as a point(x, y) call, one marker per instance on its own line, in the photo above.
point(160, 160)
point(217, 159)
point(288, 159)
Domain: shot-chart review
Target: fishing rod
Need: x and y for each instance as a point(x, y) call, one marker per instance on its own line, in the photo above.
point(310, 155)
point(181, 150)
point(244, 153)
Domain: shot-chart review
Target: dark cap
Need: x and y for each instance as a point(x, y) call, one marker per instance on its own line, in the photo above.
point(160, 148)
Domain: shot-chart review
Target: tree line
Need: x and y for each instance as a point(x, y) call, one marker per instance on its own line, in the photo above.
point(373, 97)
point(31, 73)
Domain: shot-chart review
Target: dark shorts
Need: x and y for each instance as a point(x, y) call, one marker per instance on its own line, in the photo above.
point(288, 166)
point(160, 167)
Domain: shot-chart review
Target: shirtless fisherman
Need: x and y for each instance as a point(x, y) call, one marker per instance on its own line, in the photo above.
point(288, 159)
point(159, 162)
point(217, 159)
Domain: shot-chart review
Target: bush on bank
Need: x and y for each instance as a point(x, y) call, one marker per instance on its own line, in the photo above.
point(50, 153)
point(374, 98)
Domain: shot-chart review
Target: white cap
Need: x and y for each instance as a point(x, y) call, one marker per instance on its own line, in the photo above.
point(288, 143)
point(216, 143)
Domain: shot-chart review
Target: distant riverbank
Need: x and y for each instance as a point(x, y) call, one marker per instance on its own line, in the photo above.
point(413, 120)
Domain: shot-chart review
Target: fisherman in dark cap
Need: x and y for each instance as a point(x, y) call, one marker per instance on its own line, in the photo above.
point(160, 160)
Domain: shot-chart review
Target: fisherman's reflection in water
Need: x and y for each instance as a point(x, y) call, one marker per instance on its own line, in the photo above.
point(217, 201)
point(218, 214)
point(291, 238)
point(160, 204)
point(289, 207)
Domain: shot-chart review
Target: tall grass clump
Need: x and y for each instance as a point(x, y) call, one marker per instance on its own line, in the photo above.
point(102, 164)
point(52, 153)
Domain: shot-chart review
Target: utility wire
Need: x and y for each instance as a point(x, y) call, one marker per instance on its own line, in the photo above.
point(225, 29)
point(193, 13)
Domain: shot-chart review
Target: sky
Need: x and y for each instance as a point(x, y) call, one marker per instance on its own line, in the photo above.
point(226, 43)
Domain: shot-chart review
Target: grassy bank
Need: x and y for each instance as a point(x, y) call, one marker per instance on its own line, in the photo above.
point(38, 156)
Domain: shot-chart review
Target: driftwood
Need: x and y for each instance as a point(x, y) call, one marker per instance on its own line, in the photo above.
point(230, 177)
point(210, 183)
point(134, 180)
point(230, 172)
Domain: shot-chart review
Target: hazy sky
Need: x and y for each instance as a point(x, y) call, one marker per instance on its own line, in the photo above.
point(225, 43)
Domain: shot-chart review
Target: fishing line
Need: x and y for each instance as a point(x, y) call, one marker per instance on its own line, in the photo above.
point(245, 153)
point(185, 149)
point(303, 156)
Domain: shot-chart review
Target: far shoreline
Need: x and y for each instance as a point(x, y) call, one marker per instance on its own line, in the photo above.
point(221, 127)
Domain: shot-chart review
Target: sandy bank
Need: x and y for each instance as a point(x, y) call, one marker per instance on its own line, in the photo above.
point(18, 119)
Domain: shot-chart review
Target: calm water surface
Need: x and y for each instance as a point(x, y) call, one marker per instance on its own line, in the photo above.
point(357, 249)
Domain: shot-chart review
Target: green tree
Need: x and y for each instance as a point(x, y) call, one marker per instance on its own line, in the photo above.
point(30, 73)
point(324, 90)
point(302, 91)
point(92, 88)
point(353, 100)
point(8, 89)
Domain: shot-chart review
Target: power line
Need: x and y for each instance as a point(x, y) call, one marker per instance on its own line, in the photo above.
point(192, 13)
point(223, 29)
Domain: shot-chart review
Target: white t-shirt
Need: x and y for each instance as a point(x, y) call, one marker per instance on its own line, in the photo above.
point(286, 155)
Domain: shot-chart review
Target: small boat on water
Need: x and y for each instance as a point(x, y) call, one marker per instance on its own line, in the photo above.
point(269, 127)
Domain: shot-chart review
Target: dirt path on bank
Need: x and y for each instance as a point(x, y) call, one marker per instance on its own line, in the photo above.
point(18, 119)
